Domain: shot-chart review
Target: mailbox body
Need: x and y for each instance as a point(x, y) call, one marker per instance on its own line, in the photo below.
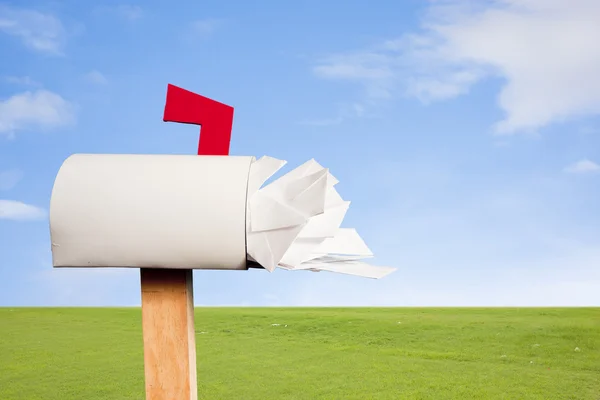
point(150, 211)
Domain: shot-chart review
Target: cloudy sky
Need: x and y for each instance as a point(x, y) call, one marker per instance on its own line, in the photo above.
point(466, 134)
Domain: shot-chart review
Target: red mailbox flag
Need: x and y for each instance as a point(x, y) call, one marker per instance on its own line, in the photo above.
point(216, 119)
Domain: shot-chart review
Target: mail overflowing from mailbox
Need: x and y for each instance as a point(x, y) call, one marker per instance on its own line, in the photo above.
point(294, 222)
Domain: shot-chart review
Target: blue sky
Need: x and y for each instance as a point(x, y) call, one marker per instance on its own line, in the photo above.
point(466, 136)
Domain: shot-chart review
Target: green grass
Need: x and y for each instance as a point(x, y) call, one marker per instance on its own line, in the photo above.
point(341, 353)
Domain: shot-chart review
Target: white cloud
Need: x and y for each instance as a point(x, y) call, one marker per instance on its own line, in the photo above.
point(583, 167)
point(545, 53)
point(375, 71)
point(96, 77)
point(18, 211)
point(10, 178)
point(38, 31)
point(40, 109)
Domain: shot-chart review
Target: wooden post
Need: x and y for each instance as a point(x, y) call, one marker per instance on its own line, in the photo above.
point(169, 336)
point(168, 294)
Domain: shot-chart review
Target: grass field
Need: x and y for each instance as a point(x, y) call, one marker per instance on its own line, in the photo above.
point(316, 353)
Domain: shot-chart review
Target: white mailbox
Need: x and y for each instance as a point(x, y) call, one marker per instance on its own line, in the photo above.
point(167, 211)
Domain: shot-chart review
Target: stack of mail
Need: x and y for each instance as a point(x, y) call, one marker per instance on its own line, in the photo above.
point(294, 222)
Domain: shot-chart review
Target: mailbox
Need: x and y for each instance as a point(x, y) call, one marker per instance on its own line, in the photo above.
point(144, 211)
